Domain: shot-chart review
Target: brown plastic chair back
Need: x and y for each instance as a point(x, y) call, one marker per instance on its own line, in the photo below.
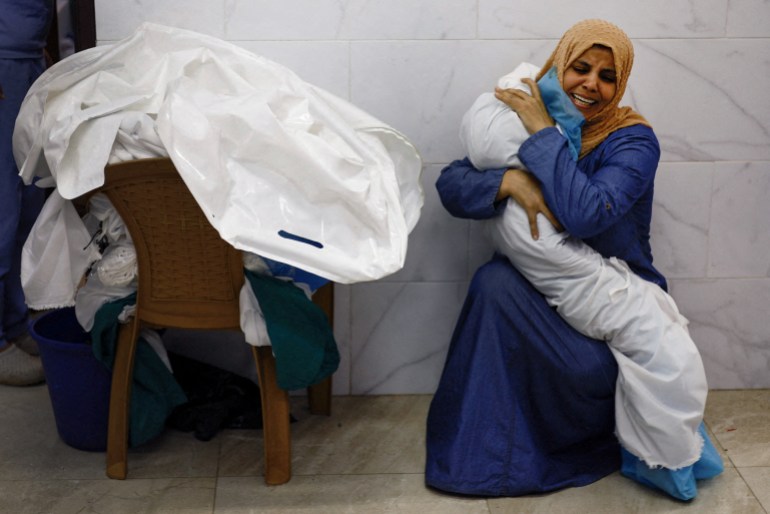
point(188, 278)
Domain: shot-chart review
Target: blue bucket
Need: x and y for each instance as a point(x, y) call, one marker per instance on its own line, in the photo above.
point(79, 385)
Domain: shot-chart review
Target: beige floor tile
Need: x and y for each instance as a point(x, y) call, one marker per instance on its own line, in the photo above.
point(758, 480)
point(30, 447)
point(367, 457)
point(364, 434)
point(241, 453)
point(175, 454)
point(340, 494)
point(167, 496)
point(739, 420)
point(722, 452)
point(726, 494)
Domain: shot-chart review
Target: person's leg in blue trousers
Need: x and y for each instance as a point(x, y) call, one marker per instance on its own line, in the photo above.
point(19, 207)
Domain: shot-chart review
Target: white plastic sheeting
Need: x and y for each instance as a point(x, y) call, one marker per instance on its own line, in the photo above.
point(281, 168)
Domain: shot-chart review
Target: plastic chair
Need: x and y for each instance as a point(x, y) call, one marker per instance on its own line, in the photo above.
point(189, 278)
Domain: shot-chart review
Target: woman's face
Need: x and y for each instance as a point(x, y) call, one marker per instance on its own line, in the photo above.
point(590, 80)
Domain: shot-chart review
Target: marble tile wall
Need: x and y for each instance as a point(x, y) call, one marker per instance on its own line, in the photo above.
point(700, 77)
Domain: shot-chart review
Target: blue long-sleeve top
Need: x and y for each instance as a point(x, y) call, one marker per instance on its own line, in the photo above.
point(605, 198)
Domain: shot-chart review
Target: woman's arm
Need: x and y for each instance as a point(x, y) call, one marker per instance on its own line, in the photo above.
point(467, 192)
point(587, 205)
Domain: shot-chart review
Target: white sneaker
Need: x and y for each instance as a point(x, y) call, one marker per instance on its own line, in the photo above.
point(20, 369)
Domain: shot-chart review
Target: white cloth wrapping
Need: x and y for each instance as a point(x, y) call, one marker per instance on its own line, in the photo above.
point(267, 156)
point(105, 222)
point(490, 131)
point(661, 389)
point(56, 255)
point(118, 265)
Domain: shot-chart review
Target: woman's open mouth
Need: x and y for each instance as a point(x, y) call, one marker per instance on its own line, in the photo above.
point(582, 101)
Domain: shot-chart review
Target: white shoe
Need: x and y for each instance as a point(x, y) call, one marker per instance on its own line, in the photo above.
point(20, 369)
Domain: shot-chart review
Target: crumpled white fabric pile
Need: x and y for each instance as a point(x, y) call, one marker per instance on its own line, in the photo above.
point(280, 167)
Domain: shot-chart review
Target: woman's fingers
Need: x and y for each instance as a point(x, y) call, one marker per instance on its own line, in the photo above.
point(514, 94)
point(530, 108)
point(550, 217)
point(534, 88)
point(532, 217)
point(524, 188)
point(510, 97)
point(533, 210)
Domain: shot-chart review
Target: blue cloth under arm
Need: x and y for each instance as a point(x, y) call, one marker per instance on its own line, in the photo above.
point(585, 205)
point(562, 110)
point(467, 192)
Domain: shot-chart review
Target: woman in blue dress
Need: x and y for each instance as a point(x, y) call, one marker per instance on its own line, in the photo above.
point(526, 403)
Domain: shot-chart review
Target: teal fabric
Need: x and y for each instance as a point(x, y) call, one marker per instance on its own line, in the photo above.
point(679, 483)
point(300, 334)
point(155, 392)
point(710, 463)
point(562, 110)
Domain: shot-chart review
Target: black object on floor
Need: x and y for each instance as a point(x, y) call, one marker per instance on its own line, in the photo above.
point(217, 399)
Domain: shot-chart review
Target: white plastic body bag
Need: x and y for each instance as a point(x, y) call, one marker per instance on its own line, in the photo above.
point(281, 168)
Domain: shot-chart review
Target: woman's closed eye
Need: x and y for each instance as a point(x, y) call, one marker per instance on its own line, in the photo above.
point(581, 69)
point(608, 76)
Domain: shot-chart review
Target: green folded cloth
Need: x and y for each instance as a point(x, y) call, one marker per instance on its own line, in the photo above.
point(300, 334)
point(155, 391)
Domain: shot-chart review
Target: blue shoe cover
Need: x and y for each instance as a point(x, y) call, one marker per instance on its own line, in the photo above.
point(710, 463)
point(678, 483)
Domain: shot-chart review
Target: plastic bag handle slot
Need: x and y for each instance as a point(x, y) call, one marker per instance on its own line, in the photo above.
point(294, 237)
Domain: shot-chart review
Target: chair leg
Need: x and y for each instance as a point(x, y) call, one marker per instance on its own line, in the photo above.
point(319, 397)
point(276, 427)
point(324, 298)
point(120, 402)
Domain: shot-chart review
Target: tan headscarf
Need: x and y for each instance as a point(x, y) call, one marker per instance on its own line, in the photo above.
point(582, 36)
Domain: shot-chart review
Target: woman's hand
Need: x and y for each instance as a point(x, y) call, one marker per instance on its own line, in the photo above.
point(530, 108)
point(524, 188)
